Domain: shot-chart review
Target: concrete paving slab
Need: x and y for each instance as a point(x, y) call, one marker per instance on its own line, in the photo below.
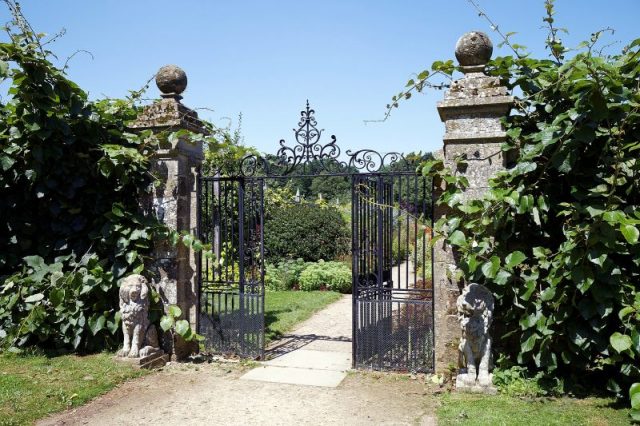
point(296, 376)
point(329, 346)
point(313, 360)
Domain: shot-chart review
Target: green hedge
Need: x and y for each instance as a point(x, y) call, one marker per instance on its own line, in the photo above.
point(305, 231)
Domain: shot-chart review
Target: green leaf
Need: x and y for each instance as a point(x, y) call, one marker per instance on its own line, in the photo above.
point(502, 277)
point(175, 311)
point(514, 259)
point(620, 342)
point(491, 268)
point(34, 298)
point(457, 238)
point(529, 320)
point(630, 233)
point(625, 311)
point(116, 209)
point(594, 211)
point(529, 343)
point(635, 338)
point(166, 322)
point(97, 324)
point(614, 216)
point(634, 396)
point(187, 240)
point(131, 256)
point(548, 294)
point(182, 327)
point(35, 262)
point(56, 296)
point(6, 162)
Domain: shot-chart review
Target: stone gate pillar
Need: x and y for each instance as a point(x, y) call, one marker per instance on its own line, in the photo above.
point(471, 111)
point(174, 201)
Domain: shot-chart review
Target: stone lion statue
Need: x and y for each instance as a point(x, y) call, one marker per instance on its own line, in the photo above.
point(475, 312)
point(140, 337)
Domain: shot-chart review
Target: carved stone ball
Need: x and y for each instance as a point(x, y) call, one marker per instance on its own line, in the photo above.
point(474, 48)
point(171, 80)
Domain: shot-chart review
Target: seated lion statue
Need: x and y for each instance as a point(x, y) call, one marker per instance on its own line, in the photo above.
point(475, 312)
point(140, 337)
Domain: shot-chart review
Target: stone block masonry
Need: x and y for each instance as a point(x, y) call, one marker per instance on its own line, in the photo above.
point(471, 111)
point(174, 200)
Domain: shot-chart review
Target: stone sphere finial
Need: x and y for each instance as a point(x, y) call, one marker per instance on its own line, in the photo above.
point(171, 80)
point(474, 49)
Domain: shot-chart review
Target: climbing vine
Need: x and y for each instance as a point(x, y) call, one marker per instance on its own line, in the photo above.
point(72, 175)
point(556, 237)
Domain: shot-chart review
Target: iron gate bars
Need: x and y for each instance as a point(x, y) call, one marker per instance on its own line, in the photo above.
point(392, 288)
point(231, 281)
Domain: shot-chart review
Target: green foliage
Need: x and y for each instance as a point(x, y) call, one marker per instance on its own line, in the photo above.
point(308, 276)
point(305, 231)
point(404, 237)
point(517, 381)
point(285, 275)
point(68, 303)
point(171, 322)
point(72, 178)
point(226, 152)
point(334, 276)
point(315, 181)
point(556, 236)
point(634, 397)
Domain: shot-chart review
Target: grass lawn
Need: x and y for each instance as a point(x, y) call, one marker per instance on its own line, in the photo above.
point(468, 409)
point(285, 309)
point(32, 386)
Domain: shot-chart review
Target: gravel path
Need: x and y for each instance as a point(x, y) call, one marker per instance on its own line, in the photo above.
point(214, 394)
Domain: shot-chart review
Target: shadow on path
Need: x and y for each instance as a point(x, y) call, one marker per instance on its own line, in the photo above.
point(291, 342)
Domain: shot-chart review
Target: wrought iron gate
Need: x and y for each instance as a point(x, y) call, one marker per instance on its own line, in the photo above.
point(391, 279)
point(231, 278)
point(392, 286)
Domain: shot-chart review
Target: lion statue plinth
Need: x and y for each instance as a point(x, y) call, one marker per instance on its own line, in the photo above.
point(140, 337)
point(475, 311)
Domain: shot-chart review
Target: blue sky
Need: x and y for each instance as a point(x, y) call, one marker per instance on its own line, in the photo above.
point(265, 58)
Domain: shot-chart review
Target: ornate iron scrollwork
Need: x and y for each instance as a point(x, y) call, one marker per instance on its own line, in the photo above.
point(309, 150)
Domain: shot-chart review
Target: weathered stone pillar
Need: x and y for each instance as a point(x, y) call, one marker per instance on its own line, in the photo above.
point(471, 111)
point(174, 201)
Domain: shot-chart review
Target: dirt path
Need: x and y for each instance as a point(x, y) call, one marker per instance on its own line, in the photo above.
point(195, 394)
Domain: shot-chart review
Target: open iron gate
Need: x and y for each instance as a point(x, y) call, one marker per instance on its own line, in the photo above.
point(392, 285)
point(231, 276)
point(391, 280)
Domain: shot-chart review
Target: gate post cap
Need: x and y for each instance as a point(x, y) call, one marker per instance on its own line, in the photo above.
point(172, 81)
point(474, 49)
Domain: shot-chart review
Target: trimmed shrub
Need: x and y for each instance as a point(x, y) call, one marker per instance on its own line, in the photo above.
point(334, 276)
point(307, 232)
point(283, 276)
